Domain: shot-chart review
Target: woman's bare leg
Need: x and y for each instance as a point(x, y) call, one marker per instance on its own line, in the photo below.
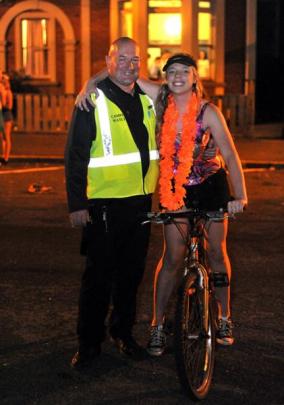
point(167, 269)
point(7, 144)
point(219, 261)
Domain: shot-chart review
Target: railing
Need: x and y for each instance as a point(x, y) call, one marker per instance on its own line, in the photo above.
point(238, 110)
point(43, 113)
point(52, 113)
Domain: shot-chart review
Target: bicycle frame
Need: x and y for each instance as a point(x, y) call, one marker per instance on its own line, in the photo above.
point(197, 261)
point(195, 313)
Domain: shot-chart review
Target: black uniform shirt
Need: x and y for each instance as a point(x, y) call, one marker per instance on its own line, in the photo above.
point(82, 132)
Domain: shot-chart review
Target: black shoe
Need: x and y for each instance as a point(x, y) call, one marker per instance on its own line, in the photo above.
point(85, 357)
point(130, 348)
point(3, 162)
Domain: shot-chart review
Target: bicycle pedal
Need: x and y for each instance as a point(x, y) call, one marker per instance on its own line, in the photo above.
point(190, 291)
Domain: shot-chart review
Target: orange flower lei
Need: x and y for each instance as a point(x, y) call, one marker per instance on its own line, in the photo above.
point(173, 199)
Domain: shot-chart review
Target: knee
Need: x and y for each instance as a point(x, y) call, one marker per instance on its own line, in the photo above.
point(172, 263)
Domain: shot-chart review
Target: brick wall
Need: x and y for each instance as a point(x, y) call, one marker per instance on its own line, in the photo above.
point(100, 37)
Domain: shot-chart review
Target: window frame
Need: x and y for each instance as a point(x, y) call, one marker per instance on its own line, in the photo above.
point(51, 61)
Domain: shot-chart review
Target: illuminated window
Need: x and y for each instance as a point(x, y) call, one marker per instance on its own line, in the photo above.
point(164, 29)
point(204, 27)
point(204, 4)
point(34, 44)
point(164, 33)
point(205, 42)
point(164, 3)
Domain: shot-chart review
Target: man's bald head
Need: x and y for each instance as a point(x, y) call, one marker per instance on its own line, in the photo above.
point(120, 42)
point(123, 63)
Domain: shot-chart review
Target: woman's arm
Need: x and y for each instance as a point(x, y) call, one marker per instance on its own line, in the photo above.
point(89, 87)
point(149, 87)
point(214, 119)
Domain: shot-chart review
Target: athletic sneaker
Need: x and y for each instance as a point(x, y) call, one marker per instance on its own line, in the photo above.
point(157, 343)
point(224, 334)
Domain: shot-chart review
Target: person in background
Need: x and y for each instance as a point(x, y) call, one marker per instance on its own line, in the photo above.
point(203, 65)
point(8, 120)
point(155, 71)
point(111, 162)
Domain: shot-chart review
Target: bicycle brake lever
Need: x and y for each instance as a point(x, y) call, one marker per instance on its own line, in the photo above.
point(145, 222)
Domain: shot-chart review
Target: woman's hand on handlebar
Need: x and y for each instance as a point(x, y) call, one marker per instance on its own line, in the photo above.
point(236, 206)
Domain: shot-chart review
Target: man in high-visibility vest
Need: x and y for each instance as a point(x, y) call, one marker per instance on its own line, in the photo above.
point(111, 172)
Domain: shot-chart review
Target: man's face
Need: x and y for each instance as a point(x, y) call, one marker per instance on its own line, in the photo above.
point(123, 64)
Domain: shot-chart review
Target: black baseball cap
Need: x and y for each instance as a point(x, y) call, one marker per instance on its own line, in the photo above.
point(183, 58)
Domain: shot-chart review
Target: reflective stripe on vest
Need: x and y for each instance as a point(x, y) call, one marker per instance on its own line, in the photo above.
point(126, 158)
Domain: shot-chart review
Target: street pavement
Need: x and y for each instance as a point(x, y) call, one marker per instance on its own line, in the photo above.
point(50, 148)
point(40, 280)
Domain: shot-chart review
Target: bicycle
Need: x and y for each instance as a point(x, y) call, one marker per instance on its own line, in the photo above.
point(196, 312)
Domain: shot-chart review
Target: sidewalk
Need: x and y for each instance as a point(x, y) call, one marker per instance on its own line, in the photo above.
point(50, 148)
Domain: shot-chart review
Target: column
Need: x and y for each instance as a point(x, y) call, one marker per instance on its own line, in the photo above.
point(140, 30)
point(69, 66)
point(251, 26)
point(189, 13)
point(250, 47)
point(3, 55)
point(85, 40)
point(220, 47)
point(114, 20)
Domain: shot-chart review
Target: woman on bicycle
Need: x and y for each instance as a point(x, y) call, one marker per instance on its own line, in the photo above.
point(186, 124)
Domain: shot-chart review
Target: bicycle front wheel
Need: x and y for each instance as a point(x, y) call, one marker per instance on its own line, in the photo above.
point(194, 338)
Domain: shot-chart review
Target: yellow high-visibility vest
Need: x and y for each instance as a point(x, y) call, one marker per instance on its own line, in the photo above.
point(115, 169)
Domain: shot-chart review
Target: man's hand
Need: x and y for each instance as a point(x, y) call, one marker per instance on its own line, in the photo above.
point(79, 218)
point(236, 206)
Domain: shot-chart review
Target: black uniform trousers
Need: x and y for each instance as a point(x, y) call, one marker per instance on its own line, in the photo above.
point(116, 247)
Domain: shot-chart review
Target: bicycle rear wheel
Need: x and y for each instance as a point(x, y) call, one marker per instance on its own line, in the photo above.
point(194, 345)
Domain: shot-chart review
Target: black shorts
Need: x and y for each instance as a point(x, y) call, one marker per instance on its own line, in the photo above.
point(212, 194)
point(7, 115)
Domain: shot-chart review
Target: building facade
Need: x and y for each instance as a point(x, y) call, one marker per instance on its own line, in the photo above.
point(58, 44)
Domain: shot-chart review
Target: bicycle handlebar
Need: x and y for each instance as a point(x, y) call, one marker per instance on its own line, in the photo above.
point(169, 216)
